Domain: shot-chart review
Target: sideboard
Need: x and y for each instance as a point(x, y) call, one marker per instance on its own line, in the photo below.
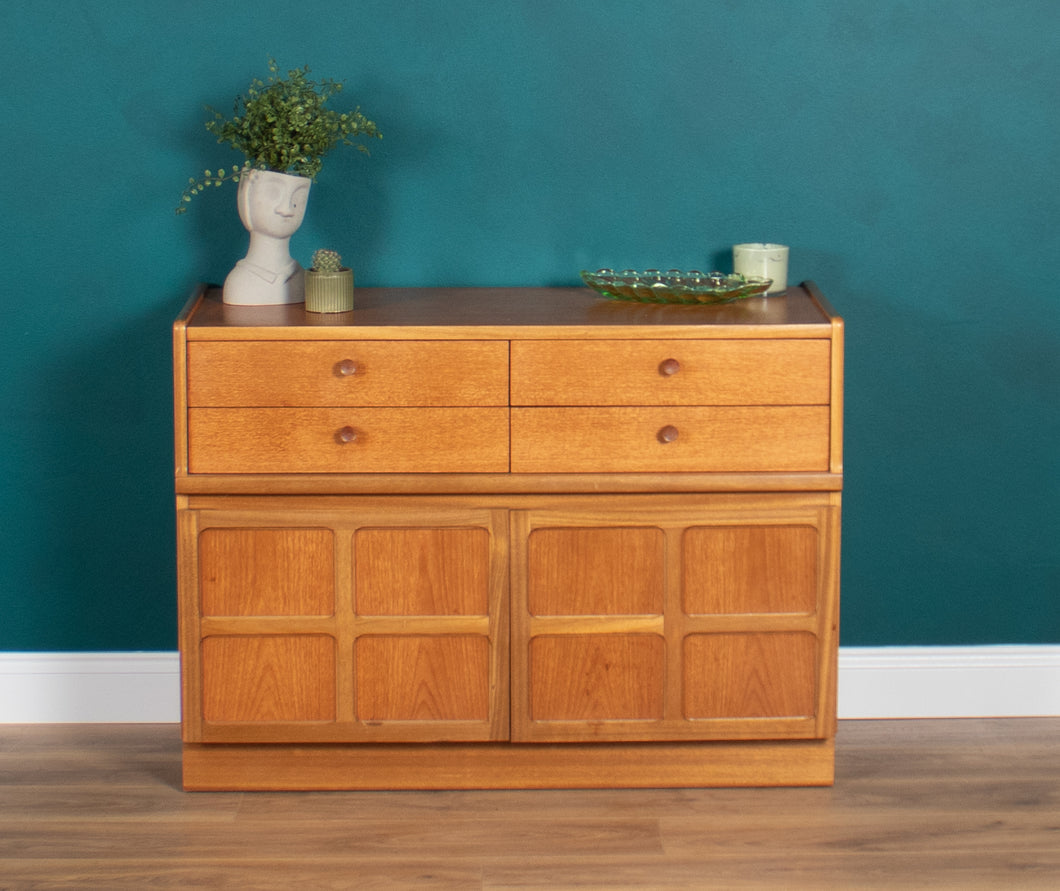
point(508, 538)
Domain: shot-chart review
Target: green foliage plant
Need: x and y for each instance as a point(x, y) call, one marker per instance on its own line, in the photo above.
point(327, 261)
point(282, 124)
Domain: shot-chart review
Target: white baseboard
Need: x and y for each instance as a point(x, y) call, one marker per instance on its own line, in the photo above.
point(76, 688)
point(874, 682)
point(949, 682)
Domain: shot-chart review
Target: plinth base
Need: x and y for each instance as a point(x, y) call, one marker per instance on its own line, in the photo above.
point(222, 767)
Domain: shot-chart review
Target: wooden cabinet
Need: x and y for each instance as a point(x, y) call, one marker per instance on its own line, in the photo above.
point(338, 622)
point(508, 537)
point(678, 617)
point(283, 407)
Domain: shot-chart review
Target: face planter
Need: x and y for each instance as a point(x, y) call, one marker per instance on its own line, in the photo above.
point(272, 207)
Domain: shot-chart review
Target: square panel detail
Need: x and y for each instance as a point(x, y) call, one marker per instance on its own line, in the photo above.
point(596, 571)
point(267, 572)
point(749, 569)
point(750, 675)
point(268, 678)
point(422, 571)
point(423, 678)
point(597, 677)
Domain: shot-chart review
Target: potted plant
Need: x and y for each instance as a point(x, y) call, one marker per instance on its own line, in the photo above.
point(328, 284)
point(284, 129)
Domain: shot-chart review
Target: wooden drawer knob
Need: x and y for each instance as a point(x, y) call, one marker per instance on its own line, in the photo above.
point(346, 368)
point(346, 434)
point(669, 367)
point(668, 433)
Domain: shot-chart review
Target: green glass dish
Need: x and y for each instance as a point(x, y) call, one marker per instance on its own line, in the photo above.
point(674, 286)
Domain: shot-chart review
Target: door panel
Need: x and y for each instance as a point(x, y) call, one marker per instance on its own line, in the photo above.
point(343, 620)
point(674, 617)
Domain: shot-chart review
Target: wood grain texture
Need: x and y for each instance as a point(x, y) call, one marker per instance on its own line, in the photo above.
point(597, 677)
point(837, 400)
point(397, 587)
point(433, 678)
point(618, 633)
point(709, 580)
point(519, 766)
point(268, 678)
point(290, 373)
point(667, 372)
point(349, 440)
point(267, 572)
point(494, 484)
point(749, 569)
point(596, 571)
point(180, 382)
point(771, 674)
point(958, 804)
point(626, 439)
point(428, 571)
point(501, 313)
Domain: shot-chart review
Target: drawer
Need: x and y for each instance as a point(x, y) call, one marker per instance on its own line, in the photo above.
point(322, 373)
point(671, 372)
point(764, 438)
point(344, 440)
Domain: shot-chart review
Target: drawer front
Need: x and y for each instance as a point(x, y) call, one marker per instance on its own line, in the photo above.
point(322, 373)
point(671, 372)
point(343, 440)
point(683, 439)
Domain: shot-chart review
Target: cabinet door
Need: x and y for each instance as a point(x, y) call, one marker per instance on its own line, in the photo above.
point(370, 621)
point(654, 617)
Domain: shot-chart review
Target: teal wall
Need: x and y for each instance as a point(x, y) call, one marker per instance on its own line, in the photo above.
point(907, 151)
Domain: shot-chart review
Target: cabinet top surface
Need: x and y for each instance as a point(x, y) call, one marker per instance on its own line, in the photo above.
point(481, 313)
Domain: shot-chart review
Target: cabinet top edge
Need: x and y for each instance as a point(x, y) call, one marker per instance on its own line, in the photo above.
point(507, 313)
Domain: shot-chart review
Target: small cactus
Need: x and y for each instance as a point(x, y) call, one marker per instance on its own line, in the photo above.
point(327, 261)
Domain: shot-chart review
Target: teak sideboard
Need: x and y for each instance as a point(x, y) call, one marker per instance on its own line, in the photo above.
point(508, 537)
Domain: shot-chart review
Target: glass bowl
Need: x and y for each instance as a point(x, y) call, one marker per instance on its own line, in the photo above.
point(674, 286)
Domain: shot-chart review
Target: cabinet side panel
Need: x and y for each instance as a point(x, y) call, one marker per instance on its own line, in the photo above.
point(188, 622)
point(828, 629)
point(180, 381)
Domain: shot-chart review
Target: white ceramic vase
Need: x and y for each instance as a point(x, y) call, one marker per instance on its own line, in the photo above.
point(272, 207)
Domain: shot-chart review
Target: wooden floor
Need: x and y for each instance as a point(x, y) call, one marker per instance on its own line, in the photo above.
point(917, 804)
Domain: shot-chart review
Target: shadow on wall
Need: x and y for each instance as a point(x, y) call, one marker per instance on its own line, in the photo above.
point(102, 563)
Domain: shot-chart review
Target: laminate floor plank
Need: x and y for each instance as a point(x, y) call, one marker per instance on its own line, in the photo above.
point(982, 872)
point(963, 804)
point(244, 875)
point(112, 803)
